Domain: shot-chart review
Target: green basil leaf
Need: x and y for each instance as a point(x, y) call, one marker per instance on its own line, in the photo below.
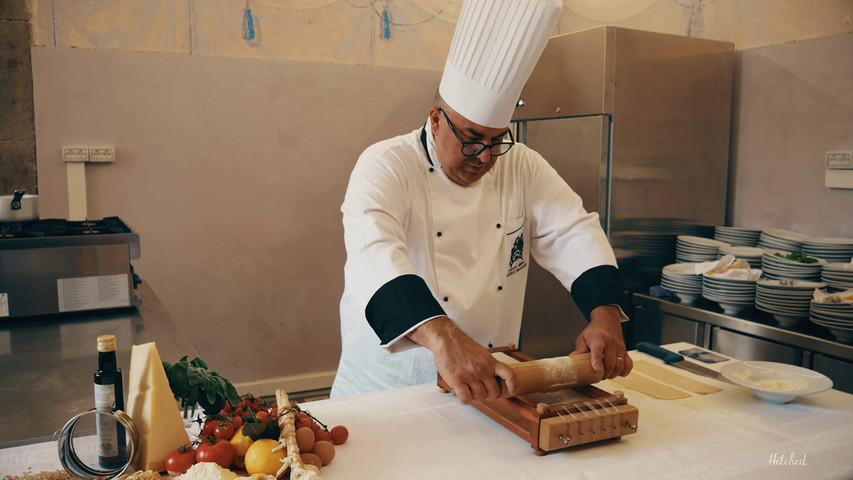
point(198, 362)
point(254, 430)
point(210, 390)
point(196, 376)
point(178, 380)
point(192, 396)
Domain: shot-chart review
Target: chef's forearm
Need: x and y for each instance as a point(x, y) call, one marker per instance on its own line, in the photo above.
point(436, 334)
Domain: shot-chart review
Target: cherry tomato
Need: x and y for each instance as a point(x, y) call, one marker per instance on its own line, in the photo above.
point(263, 416)
point(209, 426)
point(238, 422)
point(214, 450)
point(339, 435)
point(225, 429)
point(321, 434)
point(180, 460)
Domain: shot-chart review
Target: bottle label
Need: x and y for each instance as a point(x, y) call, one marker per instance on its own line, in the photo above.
point(105, 425)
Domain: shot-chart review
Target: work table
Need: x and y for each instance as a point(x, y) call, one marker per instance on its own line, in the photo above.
point(47, 362)
point(420, 433)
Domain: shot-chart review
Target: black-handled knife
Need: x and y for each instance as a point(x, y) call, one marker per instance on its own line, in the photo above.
point(672, 358)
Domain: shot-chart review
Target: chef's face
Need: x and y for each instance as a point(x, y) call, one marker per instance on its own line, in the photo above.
point(463, 169)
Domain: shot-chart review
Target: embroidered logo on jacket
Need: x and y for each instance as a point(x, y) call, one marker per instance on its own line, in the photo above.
point(516, 256)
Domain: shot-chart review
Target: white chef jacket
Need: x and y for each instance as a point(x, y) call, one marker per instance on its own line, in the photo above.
point(405, 221)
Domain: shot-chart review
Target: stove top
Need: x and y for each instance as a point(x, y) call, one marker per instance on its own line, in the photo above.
point(62, 228)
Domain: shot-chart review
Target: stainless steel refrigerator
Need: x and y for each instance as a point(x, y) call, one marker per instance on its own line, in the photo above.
point(638, 124)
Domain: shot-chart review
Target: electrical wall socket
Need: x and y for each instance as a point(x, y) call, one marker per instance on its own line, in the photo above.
point(102, 154)
point(75, 154)
point(839, 160)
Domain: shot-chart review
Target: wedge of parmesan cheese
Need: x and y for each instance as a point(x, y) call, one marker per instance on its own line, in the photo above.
point(153, 408)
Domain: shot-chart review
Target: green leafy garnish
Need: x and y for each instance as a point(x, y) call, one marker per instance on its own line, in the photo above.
point(797, 257)
point(192, 384)
point(259, 429)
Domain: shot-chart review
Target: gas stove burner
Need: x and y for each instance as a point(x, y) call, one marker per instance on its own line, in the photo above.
point(62, 228)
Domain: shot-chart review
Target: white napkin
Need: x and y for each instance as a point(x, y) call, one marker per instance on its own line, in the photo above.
point(728, 267)
point(838, 297)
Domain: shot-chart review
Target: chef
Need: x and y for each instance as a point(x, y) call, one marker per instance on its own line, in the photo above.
point(440, 225)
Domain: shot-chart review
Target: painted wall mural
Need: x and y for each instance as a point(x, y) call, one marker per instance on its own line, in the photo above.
point(399, 33)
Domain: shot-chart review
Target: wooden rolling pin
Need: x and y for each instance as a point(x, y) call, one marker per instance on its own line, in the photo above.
point(550, 374)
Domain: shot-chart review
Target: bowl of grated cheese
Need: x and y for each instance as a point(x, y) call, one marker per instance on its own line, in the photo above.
point(776, 382)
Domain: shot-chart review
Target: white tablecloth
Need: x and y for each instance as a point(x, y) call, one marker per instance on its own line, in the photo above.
point(419, 433)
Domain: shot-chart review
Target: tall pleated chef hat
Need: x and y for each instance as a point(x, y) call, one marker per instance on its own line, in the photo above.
point(494, 48)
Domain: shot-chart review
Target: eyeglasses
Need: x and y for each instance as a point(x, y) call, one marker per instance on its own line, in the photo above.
point(472, 149)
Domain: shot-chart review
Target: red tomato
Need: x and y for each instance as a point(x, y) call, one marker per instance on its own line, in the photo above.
point(321, 434)
point(339, 435)
point(180, 460)
point(238, 422)
point(214, 450)
point(225, 429)
point(263, 416)
point(209, 426)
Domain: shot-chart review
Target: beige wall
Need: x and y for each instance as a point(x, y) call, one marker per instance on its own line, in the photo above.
point(793, 103)
point(398, 33)
point(232, 171)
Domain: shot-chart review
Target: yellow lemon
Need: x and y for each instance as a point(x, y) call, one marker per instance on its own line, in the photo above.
point(261, 459)
point(241, 445)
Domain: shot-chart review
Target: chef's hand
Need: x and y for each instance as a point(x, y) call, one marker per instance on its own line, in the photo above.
point(468, 367)
point(602, 339)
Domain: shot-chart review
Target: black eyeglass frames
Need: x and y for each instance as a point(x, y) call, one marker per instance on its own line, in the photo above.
point(472, 149)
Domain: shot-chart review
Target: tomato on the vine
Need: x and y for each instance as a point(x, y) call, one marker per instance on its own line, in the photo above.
point(263, 416)
point(209, 426)
point(238, 422)
point(214, 450)
point(225, 429)
point(180, 460)
point(339, 434)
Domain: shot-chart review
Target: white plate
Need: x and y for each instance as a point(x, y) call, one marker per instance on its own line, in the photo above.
point(701, 241)
point(775, 382)
point(785, 234)
point(829, 241)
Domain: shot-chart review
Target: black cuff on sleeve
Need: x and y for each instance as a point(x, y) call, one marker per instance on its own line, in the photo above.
point(399, 305)
point(601, 285)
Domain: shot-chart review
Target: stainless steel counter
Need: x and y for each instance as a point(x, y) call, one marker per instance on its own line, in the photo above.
point(47, 362)
point(752, 334)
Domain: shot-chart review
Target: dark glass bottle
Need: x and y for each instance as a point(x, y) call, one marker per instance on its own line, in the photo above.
point(109, 396)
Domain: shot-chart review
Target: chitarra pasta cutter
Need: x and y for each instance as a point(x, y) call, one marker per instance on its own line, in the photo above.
point(555, 406)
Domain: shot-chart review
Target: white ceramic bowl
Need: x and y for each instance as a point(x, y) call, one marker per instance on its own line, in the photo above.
point(775, 382)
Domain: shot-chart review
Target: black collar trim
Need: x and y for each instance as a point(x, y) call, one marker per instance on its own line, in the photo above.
point(424, 143)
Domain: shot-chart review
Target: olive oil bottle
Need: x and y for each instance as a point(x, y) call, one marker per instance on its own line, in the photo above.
point(109, 396)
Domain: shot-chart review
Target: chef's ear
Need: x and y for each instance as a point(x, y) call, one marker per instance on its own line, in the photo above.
point(434, 119)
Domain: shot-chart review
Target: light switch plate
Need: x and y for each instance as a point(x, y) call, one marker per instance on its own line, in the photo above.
point(102, 154)
point(839, 160)
point(75, 154)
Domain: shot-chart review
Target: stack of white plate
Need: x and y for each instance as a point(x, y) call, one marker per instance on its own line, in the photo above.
point(696, 249)
point(776, 268)
point(829, 249)
point(682, 279)
point(751, 254)
point(743, 237)
point(787, 300)
point(778, 239)
point(837, 317)
point(732, 295)
point(838, 276)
